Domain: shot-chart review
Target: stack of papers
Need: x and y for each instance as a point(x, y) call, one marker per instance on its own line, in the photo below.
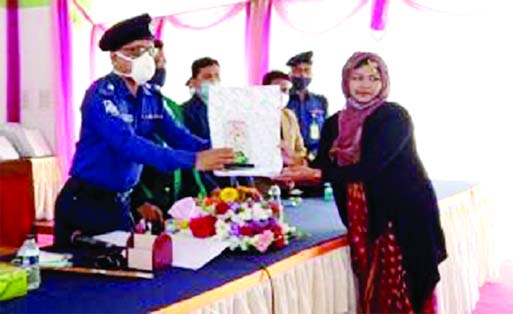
point(50, 259)
point(7, 150)
point(28, 142)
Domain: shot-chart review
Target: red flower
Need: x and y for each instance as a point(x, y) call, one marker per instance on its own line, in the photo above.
point(279, 240)
point(246, 231)
point(203, 227)
point(276, 229)
point(222, 208)
point(275, 207)
point(208, 201)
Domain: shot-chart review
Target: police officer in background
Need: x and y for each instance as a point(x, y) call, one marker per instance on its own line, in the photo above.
point(311, 109)
point(119, 113)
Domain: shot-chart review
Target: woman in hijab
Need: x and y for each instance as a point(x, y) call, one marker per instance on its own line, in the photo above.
point(384, 196)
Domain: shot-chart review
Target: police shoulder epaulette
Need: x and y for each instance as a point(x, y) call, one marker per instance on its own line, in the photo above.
point(106, 88)
point(150, 88)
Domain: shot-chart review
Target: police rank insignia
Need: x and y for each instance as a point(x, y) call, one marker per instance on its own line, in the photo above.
point(110, 108)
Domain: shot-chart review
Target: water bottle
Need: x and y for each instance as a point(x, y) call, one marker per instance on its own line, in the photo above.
point(274, 194)
point(28, 256)
point(328, 192)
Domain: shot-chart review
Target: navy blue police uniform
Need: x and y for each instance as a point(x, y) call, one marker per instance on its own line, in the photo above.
point(311, 111)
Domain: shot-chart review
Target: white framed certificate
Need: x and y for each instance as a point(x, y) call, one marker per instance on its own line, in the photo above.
point(247, 119)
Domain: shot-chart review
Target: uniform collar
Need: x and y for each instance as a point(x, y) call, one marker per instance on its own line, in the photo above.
point(119, 84)
point(122, 88)
point(293, 93)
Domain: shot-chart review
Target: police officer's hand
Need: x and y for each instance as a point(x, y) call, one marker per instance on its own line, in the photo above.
point(213, 159)
point(150, 212)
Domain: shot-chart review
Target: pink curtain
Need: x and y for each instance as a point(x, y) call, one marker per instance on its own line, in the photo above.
point(13, 62)
point(61, 25)
point(230, 11)
point(258, 24)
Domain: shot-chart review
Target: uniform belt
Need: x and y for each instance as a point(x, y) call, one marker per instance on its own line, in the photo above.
point(81, 186)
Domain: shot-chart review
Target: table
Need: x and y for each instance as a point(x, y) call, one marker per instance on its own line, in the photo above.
point(16, 201)
point(239, 282)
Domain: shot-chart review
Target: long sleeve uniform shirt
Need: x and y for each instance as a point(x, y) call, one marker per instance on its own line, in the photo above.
point(115, 136)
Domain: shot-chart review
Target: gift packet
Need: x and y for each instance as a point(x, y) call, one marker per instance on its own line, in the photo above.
point(13, 281)
point(149, 252)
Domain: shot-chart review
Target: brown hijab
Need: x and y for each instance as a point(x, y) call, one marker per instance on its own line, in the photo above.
point(346, 148)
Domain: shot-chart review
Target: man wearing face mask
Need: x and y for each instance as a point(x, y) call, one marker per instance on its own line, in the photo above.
point(311, 109)
point(120, 113)
point(292, 145)
point(205, 73)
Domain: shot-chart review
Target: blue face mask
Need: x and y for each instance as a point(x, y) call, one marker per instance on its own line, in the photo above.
point(300, 83)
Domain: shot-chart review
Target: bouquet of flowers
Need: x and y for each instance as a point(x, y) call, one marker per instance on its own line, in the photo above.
point(240, 216)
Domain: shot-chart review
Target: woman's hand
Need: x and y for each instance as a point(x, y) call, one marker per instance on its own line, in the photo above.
point(299, 174)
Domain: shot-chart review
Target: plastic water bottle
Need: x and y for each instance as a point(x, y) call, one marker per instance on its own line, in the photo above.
point(28, 256)
point(274, 193)
point(328, 192)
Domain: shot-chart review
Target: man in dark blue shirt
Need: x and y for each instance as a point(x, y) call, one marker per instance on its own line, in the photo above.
point(120, 113)
point(311, 109)
point(205, 73)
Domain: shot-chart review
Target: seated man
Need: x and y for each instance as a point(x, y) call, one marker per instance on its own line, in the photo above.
point(296, 171)
point(120, 113)
point(292, 145)
point(205, 73)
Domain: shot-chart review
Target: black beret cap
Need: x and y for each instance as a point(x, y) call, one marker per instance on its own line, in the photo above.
point(125, 32)
point(304, 57)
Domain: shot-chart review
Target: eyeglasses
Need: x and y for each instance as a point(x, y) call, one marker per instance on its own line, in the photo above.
point(136, 52)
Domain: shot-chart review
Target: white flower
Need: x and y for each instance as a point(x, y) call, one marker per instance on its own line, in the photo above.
point(245, 243)
point(242, 216)
point(286, 229)
point(222, 229)
point(234, 242)
point(260, 213)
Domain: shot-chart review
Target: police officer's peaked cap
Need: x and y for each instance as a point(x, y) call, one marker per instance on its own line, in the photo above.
point(304, 57)
point(125, 32)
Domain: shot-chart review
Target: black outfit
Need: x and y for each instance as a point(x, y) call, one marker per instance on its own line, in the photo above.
point(397, 189)
point(161, 189)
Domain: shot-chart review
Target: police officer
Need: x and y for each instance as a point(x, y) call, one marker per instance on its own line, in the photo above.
point(119, 113)
point(311, 109)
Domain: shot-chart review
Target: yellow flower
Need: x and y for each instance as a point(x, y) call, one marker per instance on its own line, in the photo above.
point(229, 195)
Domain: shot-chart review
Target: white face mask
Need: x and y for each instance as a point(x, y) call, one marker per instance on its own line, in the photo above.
point(284, 100)
point(143, 67)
